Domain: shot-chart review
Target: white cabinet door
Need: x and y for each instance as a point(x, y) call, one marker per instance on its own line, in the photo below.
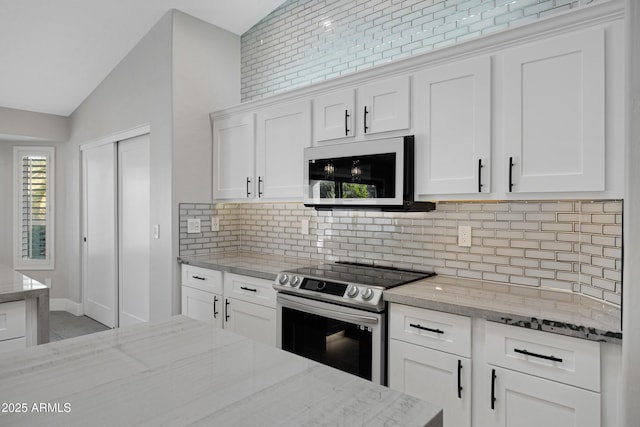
point(453, 128)
point(251, 320)
point(384, 106)
point(201, 305)
point(234, 157)
point(282, 134)
point(553, 114)
point(435, 376)
point(526, 401)
point(333, 115)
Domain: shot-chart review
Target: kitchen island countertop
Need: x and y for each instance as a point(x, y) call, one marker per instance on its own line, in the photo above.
point(184, 372)
point(15, 286)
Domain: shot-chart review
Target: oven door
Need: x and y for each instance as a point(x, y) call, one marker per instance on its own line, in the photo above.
point(345, 338)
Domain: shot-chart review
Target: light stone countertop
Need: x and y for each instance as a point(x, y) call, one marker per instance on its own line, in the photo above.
point(184, 372)
point(252, 264)
point(544, 309)
point(15, 286)
point(548, 310)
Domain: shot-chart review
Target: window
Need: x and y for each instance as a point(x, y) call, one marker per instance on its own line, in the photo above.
point(33, 208)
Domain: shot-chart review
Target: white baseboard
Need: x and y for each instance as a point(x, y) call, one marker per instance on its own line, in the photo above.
point(63, 304)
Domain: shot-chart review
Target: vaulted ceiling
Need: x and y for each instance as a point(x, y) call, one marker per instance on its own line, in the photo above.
point(53, 54)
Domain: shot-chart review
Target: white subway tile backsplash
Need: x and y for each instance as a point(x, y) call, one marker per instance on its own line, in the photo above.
point(583, 259)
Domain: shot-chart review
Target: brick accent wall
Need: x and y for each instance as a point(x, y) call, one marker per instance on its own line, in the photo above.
point(305, 41)
point(570, 245)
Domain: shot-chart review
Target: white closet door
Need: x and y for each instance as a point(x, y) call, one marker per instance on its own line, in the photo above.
point(100, 268)
point(134, 229)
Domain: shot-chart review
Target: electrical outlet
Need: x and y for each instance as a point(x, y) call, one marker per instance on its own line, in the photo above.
point(193, 225)
point(156, 231)
point(304, 226)
point(215, 223)
point(464, 236)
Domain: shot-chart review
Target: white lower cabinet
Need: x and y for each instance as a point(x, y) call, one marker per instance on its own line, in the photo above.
point(435, 376)
point(523, 400)
point(242, 304)
point(535, 378)
point(13, 317)
point(421, 362)
point(251, 320)
point(201, 305)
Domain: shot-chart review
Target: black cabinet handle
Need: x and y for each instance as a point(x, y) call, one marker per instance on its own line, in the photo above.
point(540, 356)
point(244, 288)
point(248, 182)
point(493, 389)
point(198, 278)
point(365, 119)
point(437, 331)
point(480, 176)
point(459, 379)
point(226, 310)
point(346, 122)
point(260, 181)
point(511, 174)
point(215, 311)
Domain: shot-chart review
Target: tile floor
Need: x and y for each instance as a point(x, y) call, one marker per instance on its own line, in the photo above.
point(63, 325)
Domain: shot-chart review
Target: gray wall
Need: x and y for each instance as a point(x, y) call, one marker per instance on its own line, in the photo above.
point(305, 41)
point(155, 85)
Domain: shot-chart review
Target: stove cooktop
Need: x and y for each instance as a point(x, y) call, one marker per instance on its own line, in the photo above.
point(362, 274)
point(345, 283)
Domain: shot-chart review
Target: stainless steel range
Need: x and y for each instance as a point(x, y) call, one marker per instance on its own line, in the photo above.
point(335, 314)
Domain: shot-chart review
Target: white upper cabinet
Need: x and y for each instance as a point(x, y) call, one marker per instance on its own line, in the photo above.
point(333, 115)
point(382, 106)
point(452, 110)
point(282, 134)
point(554, 114)
point(234, 157)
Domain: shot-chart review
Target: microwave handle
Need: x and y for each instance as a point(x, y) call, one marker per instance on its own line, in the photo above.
point(309, 306)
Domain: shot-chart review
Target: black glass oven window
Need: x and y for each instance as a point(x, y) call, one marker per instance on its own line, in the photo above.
point(362, 177)
point(339, 344)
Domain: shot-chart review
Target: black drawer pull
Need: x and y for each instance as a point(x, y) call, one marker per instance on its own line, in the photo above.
point(215, 311)
point(248, 182)
point(480, 185)
point(260, 181)
point(244, 288)
point(511, 165)
point(540, 356)
point(493, 389)
point(226, 310)
point(459, 379)
point(346, 122)
point(198, 278)
point(366, 113)
point(437, 331)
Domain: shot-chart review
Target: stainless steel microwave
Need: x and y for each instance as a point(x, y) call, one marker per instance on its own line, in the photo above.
point(376, 174)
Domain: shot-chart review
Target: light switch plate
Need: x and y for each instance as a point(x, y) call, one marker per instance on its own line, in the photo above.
point(193, 225)
point(156, 231)
point(464, 236)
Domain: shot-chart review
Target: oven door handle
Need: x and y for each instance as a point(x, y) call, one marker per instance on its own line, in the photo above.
point(312, 307)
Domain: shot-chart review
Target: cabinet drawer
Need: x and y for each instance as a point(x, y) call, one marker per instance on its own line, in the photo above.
point(250, 289)
point(559, 358)
point(433, 329)
point(12, 320)
point(13, 344)
point(202, 278)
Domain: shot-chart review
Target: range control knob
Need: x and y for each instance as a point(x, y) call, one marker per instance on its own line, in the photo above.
point(295, 280)
point(284, 279)
point(352, 291)
point(367, 294)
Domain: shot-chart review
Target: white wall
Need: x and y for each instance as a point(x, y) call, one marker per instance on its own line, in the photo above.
point(206, 77)
point(177, 74)
point(28, 125)
point(135, 93)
